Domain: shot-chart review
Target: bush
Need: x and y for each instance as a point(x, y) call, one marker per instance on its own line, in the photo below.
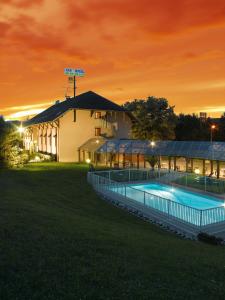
point(40, 156)
point(210, 239)
point(16, 157)
point(11, 146)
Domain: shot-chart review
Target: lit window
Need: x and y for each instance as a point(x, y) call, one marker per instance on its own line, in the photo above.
point(97, 115)
point(97, 131)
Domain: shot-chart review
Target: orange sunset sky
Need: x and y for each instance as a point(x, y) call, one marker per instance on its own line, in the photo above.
point(128, 49)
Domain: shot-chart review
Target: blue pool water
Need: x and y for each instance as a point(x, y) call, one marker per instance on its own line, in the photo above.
point(179, 195)
point(198, 209)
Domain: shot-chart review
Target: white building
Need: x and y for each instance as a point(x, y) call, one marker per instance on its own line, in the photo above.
point(63, 128)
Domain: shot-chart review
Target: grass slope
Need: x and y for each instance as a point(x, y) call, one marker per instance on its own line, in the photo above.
point(59, 240)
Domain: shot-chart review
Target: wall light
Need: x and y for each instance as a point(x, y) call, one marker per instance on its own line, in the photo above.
point(21, 129)
point(197, 171)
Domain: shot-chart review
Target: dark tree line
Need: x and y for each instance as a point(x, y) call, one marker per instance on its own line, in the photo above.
point(155, 120)
point(193, 128)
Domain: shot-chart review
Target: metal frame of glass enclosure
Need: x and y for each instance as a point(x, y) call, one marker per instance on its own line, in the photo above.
point(193, 149)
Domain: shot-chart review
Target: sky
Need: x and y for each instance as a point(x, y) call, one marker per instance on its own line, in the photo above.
point(129, 50)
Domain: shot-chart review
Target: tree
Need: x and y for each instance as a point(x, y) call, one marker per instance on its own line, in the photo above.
point(152, 160)
point(221, 128)
point(11, 152)
point(192, 128)
point(155, 119)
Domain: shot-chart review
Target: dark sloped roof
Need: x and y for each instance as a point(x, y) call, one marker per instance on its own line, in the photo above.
point(88, 100)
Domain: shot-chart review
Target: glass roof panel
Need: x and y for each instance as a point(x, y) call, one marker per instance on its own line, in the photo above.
point(204, 150)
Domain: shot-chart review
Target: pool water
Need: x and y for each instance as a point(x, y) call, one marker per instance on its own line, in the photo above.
point(198, 209)
point(179, 195)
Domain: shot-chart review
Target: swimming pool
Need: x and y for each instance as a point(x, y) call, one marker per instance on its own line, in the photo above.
point(198, 209)
point(179, 195)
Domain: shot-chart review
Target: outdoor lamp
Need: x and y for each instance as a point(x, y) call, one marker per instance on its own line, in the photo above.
point(88, 160)
point(20, 129)
point(152, 143)
point(211, 132)
point(197, 171)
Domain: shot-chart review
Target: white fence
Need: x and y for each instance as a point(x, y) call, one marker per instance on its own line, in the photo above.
point(103, 182)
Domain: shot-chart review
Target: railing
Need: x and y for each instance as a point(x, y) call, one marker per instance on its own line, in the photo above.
point(191, 180)
point(213, 215)
point(105, 184)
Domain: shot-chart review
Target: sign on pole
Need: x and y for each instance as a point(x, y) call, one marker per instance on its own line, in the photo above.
point(74, 72)
point(79, 72)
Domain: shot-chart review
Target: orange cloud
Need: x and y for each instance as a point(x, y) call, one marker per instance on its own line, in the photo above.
point(22, 3)
point(174, 49)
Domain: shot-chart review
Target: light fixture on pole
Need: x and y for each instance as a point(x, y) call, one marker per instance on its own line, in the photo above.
point(213, 127)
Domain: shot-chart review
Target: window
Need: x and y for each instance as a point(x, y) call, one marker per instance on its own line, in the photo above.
point(97, 115)
point(45, 136)
point(55, 136)
point(74, 115)
point(97, 131)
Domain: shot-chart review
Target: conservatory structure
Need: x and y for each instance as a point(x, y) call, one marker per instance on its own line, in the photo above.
point(206, 158)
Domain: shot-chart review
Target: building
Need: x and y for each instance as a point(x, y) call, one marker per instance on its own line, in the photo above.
point(206, 158)
point(64, 127)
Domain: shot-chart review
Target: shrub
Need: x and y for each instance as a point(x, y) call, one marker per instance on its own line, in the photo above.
point(210, 239)
point(11, 152)
point(40, 156)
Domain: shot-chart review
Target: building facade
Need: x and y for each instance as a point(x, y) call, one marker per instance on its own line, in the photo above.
point(64, 127)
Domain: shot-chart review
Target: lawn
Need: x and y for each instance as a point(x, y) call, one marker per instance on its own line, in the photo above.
point(59, 240)
point(213, 185)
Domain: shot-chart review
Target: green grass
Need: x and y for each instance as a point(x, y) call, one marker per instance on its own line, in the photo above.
point(213, 185)
point(59, 240)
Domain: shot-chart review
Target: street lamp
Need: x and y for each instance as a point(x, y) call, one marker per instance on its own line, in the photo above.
point(213, 127)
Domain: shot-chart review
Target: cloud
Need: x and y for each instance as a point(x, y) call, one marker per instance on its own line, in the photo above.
point(22, 114)
point(213, 109)
point(156, 17)
point(19, 112)
point(22, 3)
point(161, 47)
point(24, 107)
point(204, 86)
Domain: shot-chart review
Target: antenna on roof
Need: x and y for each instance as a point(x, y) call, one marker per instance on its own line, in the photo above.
point(72, 73)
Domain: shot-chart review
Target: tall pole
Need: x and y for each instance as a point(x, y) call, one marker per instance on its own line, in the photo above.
point(74, 86)
point(211, 132)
